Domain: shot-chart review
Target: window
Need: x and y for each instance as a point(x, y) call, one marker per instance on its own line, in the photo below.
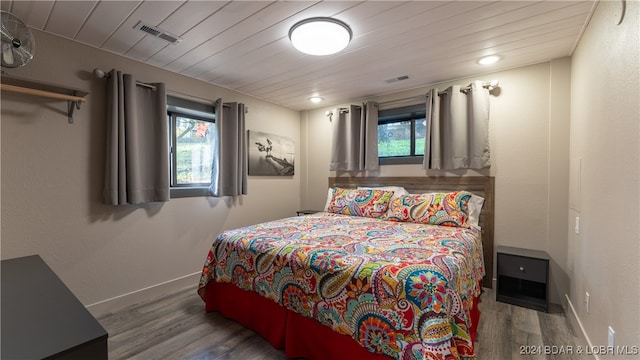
point(401, 133)
point(191, 141)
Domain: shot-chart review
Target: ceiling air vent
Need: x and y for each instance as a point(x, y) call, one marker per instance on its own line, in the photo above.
point(399, 78)
point(157, 32)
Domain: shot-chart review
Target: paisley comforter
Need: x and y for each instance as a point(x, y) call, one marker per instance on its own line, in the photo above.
point(400, 289)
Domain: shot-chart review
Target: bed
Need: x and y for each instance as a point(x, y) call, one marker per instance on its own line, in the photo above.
point(366, 278)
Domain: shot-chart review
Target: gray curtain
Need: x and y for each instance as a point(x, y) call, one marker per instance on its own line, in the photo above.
point(137, 159)
point(229, 168)
point(355, 138)
point(457, 135)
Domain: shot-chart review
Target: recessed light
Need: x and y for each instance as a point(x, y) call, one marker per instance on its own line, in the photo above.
point(320, 36)
point(488, 60)
point(315, 99)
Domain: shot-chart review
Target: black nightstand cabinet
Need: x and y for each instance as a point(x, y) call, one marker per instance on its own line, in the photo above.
point(307, 212)
point(523, 277)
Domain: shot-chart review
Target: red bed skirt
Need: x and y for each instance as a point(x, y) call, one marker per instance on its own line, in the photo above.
point(296, 334)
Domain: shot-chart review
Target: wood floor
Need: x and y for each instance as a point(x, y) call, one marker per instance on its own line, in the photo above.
point(177, 327)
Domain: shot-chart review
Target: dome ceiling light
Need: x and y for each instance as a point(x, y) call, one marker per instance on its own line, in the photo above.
point(488, 60)
point(320, 36)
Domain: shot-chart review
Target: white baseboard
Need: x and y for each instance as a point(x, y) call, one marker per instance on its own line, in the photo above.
point(109, 306)
point(572, 318)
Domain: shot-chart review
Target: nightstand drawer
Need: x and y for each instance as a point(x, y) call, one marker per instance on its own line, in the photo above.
point(520, 267)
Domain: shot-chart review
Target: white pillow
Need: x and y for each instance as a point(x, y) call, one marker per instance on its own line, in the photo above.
point(329, 196)
point(475, 206)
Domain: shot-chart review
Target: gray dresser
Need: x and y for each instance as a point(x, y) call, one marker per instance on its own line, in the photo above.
point(41, 318)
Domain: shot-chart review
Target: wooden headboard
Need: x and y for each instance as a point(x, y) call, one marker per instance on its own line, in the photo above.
point(480, 185)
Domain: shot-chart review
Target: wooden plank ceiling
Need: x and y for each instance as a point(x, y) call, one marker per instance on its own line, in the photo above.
point(244, 45)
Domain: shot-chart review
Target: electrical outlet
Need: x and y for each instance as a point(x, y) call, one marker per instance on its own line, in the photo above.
point(612, 337)
point(586, 301)
point(577, 228)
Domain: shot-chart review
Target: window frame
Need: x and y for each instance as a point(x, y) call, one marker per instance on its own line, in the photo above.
point(410, 113)
point(178, 107)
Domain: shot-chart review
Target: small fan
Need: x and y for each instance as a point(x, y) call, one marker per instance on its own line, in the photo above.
point(18, 44)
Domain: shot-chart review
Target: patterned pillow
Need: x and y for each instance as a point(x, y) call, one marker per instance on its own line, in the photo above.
point(447, 209)
point(367, 202)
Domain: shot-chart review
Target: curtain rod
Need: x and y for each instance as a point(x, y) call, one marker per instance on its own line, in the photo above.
point(101, 74)
point(329, 113)
point(189, 97)
point(487, 85)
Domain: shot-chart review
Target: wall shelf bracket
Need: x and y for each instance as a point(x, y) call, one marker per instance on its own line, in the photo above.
point(72, 105)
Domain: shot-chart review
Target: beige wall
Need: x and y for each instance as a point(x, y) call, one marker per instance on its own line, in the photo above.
point(52, 184)
point(603, 259)
point(528, 161)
